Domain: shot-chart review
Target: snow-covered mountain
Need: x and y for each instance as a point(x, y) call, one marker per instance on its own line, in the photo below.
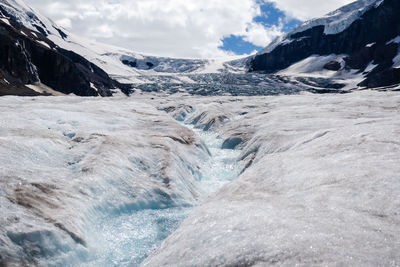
point(299, 62)
point(352, 47)
point(32, 63)
point(119, 62)
point(333, 22)
point(358, 41)
point(28, 25)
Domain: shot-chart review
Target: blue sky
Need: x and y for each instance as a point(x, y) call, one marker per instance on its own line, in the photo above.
point(270, 16)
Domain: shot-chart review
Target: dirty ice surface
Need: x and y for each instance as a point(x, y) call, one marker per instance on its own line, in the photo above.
point(127, 238)
point(316, 180)
point(98, 182)
point(320, 185)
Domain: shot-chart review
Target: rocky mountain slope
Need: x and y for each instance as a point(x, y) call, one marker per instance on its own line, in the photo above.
point(356, 46)
point(28, 57)
point(360, 38)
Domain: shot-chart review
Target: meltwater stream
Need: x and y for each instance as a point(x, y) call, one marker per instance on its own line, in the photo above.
point(128, 239)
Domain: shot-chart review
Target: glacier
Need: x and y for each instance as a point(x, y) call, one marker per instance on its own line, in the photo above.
point(161, 74)
point(318, 186)
point(204, 165)
point(183, 180)
point(92, 183)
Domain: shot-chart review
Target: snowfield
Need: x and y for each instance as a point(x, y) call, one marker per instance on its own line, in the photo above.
point(307, 180)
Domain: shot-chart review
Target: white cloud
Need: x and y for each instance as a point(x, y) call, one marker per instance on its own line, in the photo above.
point(183, 28)
point(65, 23)
point(308, 9)
point(261, 36)
point(178, 28)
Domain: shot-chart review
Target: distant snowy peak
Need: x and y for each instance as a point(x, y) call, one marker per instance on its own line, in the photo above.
point(340, 19)
point(334, 22)
point(122, 64)
point(38, 59)
point(349, 41)
point(21, 13)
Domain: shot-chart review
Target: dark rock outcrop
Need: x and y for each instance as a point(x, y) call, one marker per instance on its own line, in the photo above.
point(28, 57)
point(333, 65)
point(376, 26)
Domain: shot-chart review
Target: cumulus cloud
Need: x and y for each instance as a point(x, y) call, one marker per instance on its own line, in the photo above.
point(65, 23)
point(260, 35)
point(308, 9)
point(184, 28)
point(178, 28)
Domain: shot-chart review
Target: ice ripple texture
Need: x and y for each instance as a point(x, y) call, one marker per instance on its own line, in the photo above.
point(126, 239)
point(88, 182)
point(319, 185)
point(318, 180)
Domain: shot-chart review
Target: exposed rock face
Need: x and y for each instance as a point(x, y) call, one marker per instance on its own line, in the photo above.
point(28, 57)
point(365, 40)
point(333, 65)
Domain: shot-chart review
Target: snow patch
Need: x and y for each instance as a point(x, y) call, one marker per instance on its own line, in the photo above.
point(396, 61)
point(352, 79)
point(313, 66)
point(94, 87)
point(5, 21)
point(44, 44)
point(370, 67)
point(394, 40)
point(44, 89)
point(334, 22)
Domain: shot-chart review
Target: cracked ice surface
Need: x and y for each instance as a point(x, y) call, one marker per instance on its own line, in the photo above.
point(68, 164)
point(320, 183)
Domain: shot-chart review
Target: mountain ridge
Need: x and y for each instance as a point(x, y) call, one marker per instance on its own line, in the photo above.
point(367, 40)
point(29, 57)
point(321, 55)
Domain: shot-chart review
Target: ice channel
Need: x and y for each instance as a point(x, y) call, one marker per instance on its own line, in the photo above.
point(127, 239)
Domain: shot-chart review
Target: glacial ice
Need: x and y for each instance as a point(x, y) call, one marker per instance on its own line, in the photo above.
point(102, 182)
point(89, 182)
point(67, 160)
point(126, 239)
point(319, 186)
